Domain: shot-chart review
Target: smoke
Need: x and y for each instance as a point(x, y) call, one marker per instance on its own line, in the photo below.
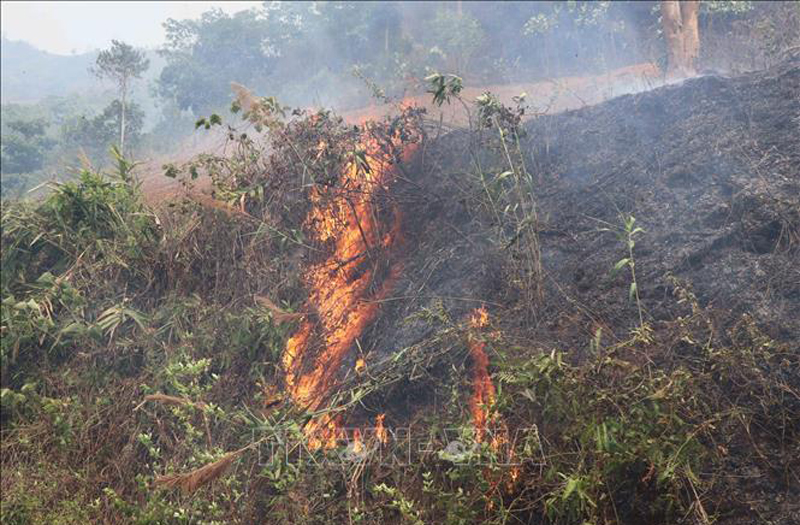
point(391, 48)
point(359, 58)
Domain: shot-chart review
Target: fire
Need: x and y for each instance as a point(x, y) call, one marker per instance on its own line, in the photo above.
point(342, 287)
point(361, 365)
point(483, 388)
point(479, 318)
point(483, 396)
point(380, 430)
point(323, 432)
point(358, 445)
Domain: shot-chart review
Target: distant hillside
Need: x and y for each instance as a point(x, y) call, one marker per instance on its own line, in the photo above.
point(30, 74)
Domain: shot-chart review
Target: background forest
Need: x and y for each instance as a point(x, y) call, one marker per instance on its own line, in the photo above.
point(56, 115)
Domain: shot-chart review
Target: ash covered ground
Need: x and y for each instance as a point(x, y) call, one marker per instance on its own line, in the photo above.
point(709, 167)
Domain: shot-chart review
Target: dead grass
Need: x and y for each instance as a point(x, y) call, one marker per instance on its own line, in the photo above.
point(191, 481)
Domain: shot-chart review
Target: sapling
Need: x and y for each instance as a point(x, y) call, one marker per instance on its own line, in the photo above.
point(627, 235)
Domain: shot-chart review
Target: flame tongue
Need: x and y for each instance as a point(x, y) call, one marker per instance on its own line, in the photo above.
point(380, 431)
point(339, 286)
point(323, 432)
point(358, 445)
point(483, 396)
point(483, 388)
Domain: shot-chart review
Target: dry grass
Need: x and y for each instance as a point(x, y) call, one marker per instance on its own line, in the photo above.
point(191, 481)
point(278, 315)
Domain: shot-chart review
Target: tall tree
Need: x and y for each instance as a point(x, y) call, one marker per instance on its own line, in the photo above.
point(93, 135)
point(205, 55)
point(122, 64)
point(679, 20)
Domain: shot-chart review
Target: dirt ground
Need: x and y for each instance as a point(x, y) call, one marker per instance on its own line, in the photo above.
point(550, 96)
point(710, 168)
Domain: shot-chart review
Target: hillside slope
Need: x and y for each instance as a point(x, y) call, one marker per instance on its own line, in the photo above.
point(711, 171)
point(29, 74)
point(710, 168)
point(497, 368)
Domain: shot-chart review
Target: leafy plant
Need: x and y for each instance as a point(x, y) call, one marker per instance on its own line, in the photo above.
point(511, 195)
point(627, 235)
point(444, 88)
point(399, 502)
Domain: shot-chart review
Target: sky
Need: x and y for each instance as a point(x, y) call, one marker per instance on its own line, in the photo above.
point(66, 27)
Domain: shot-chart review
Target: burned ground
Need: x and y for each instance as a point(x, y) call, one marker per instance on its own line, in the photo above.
point(709, 168)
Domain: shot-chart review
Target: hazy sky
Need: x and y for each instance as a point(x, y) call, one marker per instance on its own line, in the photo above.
point(61, 27)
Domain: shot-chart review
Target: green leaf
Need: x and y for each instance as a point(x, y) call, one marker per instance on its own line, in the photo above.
point(529, 395)
point(137, 317)
point(569, 488)
point(73, 328)
point(46, 278)
point(632, 293)
point(620, 265)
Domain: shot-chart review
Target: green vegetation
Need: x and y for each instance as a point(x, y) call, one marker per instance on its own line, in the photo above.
point(626, 235)
point(141, 383)
point(345, 47)
point(25, 145)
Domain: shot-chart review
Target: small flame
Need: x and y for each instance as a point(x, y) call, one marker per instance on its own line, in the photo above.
point(323, 432)
point(479, 318)
point(484, 396)
point(358, 445)
point(483, 388)
point(380, 430)
point(361, 365)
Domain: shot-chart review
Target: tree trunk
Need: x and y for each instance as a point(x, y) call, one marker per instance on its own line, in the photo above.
point(679, 22)
point(122, 118)
point(671, 25)
point(691, 35)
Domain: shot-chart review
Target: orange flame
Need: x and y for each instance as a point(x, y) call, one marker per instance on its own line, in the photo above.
point(361, 365)
point(483, 388)
point(380, 430)
point(358, 445)
point(323, 432)
point(484, 396)
point(340, 285)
